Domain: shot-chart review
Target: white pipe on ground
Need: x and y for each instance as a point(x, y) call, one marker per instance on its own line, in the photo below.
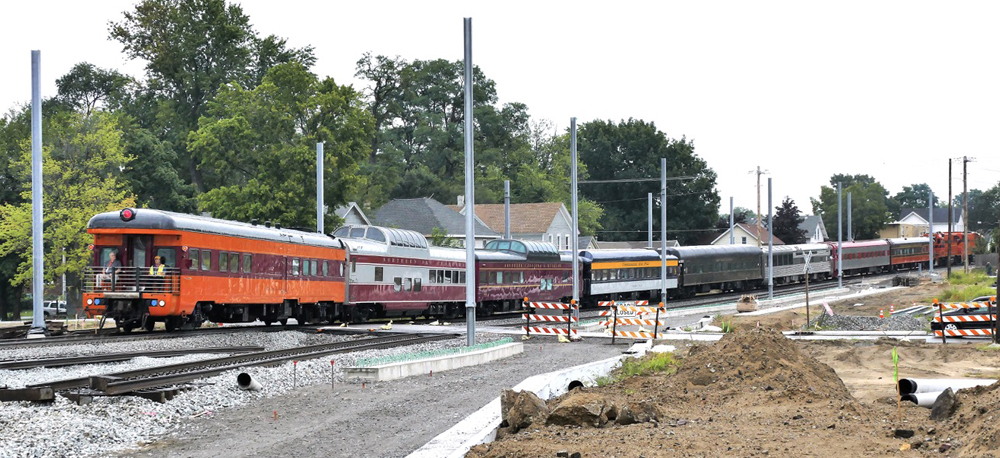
point(247, 383)
point(930, 385)
point(923, 399)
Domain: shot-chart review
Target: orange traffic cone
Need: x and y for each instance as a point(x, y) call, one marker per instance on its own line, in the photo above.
point(892, 309)
point(881, 313)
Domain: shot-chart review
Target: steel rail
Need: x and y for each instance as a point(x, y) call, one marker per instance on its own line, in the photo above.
point(116, 357)
point(112, 387)
point(246, 359)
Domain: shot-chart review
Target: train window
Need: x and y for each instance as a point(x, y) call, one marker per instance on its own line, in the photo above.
point(167, 256)
point(503, 245)
point(354, 267)
point(520, 277)
point(440, 276)
point(416, 284)
point(375, 234)
point(313, 268)
point(247, 263)
point(594, 275)
point(357, 232)
point(295, 266)
point(326, 268)
point(305, 267)
point(193, 256)
point(223, 261)
point(344, 231)
point(461, 277)
point(408, 284)
point(378, 274)
point(432, 276)
point(397, 284)
point(234, 262)
point(499, 278)
point(206, 260)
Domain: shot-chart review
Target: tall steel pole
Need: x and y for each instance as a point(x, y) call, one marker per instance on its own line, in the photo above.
point(663, 230)
point(840, 239)
point(965, 213)
point(506, 209)
point(470, 198)
point(758, 206)
point(950, 211)
point(850, 230)
point(930, 229)
point(37, 253)
point(732, 235)
point(576, 225)
point(649, 201)
point(320, 213)
point(770, 242)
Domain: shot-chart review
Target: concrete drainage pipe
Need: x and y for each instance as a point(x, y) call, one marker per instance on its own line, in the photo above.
point(247, 383)
point(922, 399)
point(931, 385)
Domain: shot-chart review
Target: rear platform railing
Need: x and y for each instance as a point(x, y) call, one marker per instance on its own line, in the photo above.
point(131, 279)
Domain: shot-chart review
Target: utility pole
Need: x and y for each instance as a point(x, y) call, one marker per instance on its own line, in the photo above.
point(840, 239)
point(759, 172)
point(732, 235)
point(965, 214)
point(948, 238)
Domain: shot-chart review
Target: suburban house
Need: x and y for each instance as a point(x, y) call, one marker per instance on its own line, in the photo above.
point(815, 229)
point(352, 215)
point(913, 222)
point(544, 222)
point(746, 234)
point(425, 214)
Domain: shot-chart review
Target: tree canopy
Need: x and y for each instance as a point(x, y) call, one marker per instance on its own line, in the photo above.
point(869, 203)
point(786, 223)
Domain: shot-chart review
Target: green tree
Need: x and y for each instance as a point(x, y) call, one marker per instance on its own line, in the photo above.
point(984, 206)
point(632, 150)
point(82, 162)
point(86, 87)
point(191, 49)
point(740, 215)
point(869, 203)
point(786, 223)
point(261, 144)
point(914, 196)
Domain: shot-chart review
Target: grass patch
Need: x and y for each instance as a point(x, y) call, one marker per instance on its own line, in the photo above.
point(966, 293)
point(988, 347)
point(652, 363)
point(972, 278)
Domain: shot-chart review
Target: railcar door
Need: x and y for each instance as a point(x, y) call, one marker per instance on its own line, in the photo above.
point(138, 255)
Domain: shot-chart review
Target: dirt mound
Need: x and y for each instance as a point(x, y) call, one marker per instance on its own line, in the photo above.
point(975, 423)
point(757, 365)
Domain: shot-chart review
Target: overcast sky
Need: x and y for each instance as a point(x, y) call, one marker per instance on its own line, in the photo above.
point(801, 89)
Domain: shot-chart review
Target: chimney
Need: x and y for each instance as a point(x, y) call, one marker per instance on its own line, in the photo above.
point(461, 201)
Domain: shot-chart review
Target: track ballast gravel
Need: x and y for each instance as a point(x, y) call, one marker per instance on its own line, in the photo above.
point(217, 419)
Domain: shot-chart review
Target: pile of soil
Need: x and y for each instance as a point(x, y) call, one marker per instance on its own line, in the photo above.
point(976, 421)
point(753, 392)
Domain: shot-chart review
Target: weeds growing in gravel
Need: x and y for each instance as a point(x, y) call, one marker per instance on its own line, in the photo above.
point(972, 278)
point(966, 293)
point(650, 364)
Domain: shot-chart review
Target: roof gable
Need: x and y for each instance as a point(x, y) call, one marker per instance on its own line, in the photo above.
point(751, 231)
point(352, 208)
point(530, 218)
point(809, 223)
point(940, 214)
point(423, 215)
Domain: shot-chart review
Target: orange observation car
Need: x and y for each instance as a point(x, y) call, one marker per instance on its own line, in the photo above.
point(211, 269)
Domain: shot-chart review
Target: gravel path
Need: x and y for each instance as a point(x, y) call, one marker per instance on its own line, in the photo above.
point(383, 419)
point(387, 419)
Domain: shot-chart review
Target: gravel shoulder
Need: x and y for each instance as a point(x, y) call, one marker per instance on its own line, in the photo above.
point(386, 419)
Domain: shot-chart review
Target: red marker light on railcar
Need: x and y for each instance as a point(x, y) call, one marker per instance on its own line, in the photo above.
point(127, 214)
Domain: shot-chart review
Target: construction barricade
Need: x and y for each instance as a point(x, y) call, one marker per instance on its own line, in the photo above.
point(564, 313)
point(983, 324)
point(632, 313)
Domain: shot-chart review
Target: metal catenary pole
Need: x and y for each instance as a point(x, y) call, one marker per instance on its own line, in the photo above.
point(732, 235)
point(840, 240)
point(37, 253)
point(770, 243)
point(506, 209)
point(663, 230)
point(930, 231)
point(850, 229)
point(470, 200)
point(965, 213)
point(649, 201)
point(319, 188)
point(948, 238)
point(576, 225)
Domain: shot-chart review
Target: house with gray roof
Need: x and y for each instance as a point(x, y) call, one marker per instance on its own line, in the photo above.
point(815, 229)
point(352, 215)
point(425, 214)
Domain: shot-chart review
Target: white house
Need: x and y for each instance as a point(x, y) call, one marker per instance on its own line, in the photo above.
point(544, 222)
point(919, 217)
point(746, 234)
point(815, 229)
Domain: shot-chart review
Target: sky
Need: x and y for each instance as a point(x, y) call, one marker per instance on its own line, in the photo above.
point(803, 90)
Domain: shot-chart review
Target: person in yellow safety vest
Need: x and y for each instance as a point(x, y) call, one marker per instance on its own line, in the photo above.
point(156, 273)
point(157, 268)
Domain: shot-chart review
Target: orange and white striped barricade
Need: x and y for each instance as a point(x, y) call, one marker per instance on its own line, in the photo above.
point(631, 308)
point(531, 309)
point(989, 319)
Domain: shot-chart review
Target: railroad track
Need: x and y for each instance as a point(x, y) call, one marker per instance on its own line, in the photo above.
point(89, 336)
point(116, 357)
point(140, 381)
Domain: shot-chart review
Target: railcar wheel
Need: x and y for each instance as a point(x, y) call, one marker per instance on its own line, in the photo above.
point(362, 314)
point(127, 327)
point(283, 321)
point(148, 324)
point(267, 322)
point(172, 323)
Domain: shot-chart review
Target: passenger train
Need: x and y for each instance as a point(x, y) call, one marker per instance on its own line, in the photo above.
point(229, 272)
